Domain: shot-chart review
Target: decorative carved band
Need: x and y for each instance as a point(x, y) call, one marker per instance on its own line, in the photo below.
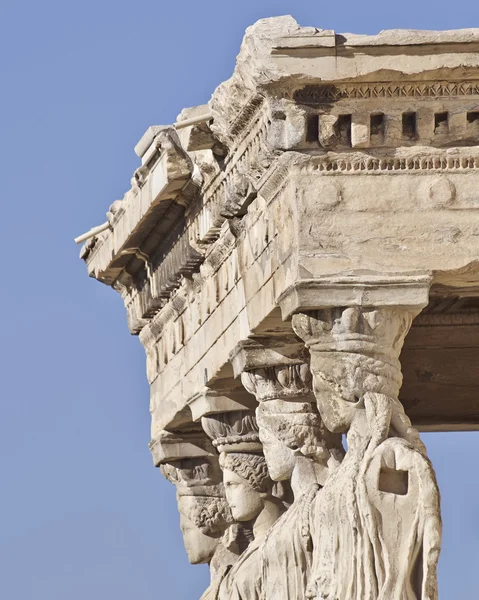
point(320, 94)
point(447, 319)
point(363, 162)
point(249, 155)
point(151, 294)
point(246, 116)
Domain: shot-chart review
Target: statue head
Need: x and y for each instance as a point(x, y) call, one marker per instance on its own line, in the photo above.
point(203, 521)
point(204, 512)
point(247, 483)
point(354, 351)
point(288, 429)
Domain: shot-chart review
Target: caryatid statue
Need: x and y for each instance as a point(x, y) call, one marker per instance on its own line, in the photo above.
point(210, 534)
point(251, 494)
point(297, 448)
point(376, 526)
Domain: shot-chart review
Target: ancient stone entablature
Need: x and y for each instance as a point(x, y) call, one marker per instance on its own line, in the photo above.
point(306, 246)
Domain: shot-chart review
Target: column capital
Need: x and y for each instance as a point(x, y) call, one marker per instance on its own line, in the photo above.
point(274, 367)
point(170, 446)
point(355, 353)
point(280, 382)
point(235, 431)
point(356, 289)
point(266, 351)
point(228, 395)
point(356, 349)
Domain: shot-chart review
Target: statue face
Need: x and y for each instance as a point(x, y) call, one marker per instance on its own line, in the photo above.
point(245, 502)
point(200, 547)
point(279, 458)
point(337, 414)
point(337, 409)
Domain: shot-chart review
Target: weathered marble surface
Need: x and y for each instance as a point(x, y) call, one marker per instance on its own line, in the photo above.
point(281, 252)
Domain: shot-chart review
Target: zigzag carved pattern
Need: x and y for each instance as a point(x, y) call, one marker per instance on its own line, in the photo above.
point(318, 94)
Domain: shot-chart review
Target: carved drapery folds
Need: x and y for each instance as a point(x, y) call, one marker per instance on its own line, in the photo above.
point(364, 524)
point(377, 529)
point(251, 494)
point(298, 448)
point(359, 525)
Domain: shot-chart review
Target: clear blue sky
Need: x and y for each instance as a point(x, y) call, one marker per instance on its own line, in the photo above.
point(83, 513)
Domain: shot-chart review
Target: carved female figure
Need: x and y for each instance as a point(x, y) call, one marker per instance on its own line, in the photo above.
point(253, 498)
point(297, 447)
point(376, 526)
point(209, 534)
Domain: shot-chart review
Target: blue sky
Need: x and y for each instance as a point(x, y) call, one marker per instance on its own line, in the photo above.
point(83, 513)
